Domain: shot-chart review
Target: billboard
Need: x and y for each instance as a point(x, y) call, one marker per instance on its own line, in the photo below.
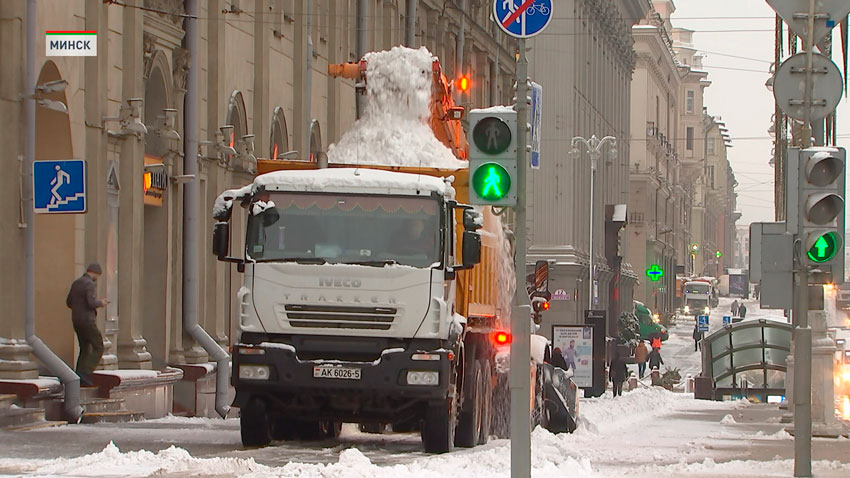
point(576, 345)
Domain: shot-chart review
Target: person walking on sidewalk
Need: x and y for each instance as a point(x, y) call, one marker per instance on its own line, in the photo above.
point(83, 304)
point(734, 308)
point(654, 359)
point(618, 372)
point(641, 352)
point(742, 311)
point(697, 337)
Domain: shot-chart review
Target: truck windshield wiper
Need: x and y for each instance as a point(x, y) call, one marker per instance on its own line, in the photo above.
point(304, 260)
point(386, 262)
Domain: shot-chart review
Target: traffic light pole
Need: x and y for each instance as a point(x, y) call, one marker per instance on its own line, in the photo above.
point(802, 332)
point(520, 314)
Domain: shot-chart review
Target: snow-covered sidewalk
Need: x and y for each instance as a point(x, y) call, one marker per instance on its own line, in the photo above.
point(645, 433)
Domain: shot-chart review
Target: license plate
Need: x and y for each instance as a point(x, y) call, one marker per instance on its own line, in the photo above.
point(329, 371)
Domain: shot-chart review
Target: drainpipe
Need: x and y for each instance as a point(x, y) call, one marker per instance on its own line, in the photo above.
point(461, 41)
point(73, 410)
point(191, 193)
point(410, 24)
point(308, 82)
point(362, 19)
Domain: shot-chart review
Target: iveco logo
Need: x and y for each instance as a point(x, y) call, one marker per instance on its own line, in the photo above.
point(329, 282)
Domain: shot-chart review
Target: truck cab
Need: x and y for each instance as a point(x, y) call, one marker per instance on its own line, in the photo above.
point(697, 298)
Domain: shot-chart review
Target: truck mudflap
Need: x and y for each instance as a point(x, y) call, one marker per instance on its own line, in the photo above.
point(561, 399)
point(394, 387)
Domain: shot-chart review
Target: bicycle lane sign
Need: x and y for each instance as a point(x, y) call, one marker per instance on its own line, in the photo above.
point(522, 18)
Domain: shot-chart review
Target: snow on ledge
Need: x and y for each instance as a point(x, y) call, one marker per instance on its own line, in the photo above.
point(129, 374)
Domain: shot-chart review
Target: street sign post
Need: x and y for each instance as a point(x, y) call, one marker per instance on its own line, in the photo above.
point(522, 18)
point(536, 123)
point(727, 320)
point(59, 187)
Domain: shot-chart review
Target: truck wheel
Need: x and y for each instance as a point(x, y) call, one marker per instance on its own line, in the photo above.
point(254, 423)
point(540, 413)
point(438, 429)
point(333, 430)
point(486, 402)
point(375, 428)
point(500, 408)
point(471, 413)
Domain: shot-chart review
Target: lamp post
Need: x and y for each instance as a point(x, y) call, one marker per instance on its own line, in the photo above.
point(593, 146)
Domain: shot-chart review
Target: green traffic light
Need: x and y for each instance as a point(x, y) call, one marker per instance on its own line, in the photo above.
point(824, 249)
point(718, 254)
point(491, 181)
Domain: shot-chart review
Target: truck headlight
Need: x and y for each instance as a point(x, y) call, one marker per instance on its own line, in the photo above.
point(423, 377)
point(254, 372)
point(706, 310)
point(687, 310)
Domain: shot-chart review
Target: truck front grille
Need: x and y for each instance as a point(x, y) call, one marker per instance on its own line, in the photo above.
point(340, 317)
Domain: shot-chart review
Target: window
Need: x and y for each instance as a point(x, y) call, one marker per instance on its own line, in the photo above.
point(709, 176)
point(689, 102)
point(710, 146)
point(280, 137)
point(689, 138)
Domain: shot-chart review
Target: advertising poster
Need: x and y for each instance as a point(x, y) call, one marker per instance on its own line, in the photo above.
point(575, 342)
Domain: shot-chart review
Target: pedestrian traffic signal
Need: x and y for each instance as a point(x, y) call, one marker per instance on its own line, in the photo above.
point(820, 220)
point(492, 156)
point(718, 254)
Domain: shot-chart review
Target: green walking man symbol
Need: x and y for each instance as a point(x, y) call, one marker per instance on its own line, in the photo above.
point(491, 183)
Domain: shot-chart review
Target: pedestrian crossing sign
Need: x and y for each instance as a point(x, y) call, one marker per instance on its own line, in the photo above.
point(702, 323)
point(59, 186)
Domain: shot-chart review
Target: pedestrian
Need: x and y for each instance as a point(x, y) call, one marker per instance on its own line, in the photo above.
point(656, 342)
point(697, 337)
point(83, 304)
point(618, 372)
point(742, 310)
point(641, 353)
point(757, 291)
point(558, 359)
point(734, 309)
point(654, 359)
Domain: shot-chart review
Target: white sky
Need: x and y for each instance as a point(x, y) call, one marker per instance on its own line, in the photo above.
point(740, 97)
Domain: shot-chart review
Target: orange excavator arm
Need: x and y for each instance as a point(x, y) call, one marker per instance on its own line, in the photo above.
point(446, 116)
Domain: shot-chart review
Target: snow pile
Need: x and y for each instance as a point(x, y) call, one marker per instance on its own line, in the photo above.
point(224, 201)
point(112, 462)
point(740, 468)
point(394, 129)
point(728, 420)
point(601, 415)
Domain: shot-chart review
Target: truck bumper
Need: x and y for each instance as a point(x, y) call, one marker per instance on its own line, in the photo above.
point(381, 394)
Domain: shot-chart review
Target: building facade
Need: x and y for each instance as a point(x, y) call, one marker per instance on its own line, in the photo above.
point(264, 91)
point(657, 207)
point(584, 60)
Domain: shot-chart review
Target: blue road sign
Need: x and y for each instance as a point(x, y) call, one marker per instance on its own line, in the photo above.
point(522, 18)
point(727, 319)
point(536, 123)
point(702, 321)
point(59, 186)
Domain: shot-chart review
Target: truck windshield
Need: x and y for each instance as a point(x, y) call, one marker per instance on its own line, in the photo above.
point(344, 229)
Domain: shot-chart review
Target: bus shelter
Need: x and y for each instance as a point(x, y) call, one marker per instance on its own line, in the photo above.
point(747, 360)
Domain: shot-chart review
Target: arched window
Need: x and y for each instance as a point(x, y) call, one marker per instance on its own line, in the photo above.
point(279, 143)
point(315, 141)
point(237, 118)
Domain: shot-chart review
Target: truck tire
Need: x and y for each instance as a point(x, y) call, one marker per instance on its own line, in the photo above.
point(254, 423)
point(438, 429)
point(486, 404)
point(374, 428)
point(471, 413)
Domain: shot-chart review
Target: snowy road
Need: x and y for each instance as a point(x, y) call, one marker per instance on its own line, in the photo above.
point(649, 432)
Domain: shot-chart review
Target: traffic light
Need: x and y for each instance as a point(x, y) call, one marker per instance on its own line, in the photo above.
point(820, 221)
point(539, 303)
point(718, 254)
point(492, 157)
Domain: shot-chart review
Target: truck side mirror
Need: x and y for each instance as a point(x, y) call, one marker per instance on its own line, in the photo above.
point(221, 239)
point(472, 220)
point(471, 249)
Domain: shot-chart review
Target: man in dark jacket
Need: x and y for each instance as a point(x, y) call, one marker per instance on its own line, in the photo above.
point(655, 360)
point(83, 304)
point(618, 371)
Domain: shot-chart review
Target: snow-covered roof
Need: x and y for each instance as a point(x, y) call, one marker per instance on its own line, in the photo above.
point(319, 180)
point(494, 109)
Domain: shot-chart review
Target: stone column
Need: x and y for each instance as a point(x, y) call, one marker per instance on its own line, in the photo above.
point(132, 352)
point(100, 245)
point(824, 423)
point(16, 360)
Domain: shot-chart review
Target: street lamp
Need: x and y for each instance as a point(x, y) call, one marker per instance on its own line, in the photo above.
point(593, 146)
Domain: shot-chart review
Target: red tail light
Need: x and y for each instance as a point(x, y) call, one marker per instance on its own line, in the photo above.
point(502, 338)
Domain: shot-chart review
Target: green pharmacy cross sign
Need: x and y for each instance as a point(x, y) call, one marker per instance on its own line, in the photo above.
point(655, 273)
point(824, 248)
point(491, 181)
